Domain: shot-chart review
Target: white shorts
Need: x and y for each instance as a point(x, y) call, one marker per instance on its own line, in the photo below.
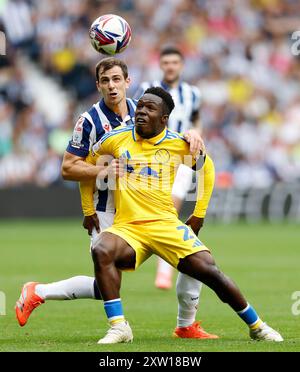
point(106, 219)
point(183, 181)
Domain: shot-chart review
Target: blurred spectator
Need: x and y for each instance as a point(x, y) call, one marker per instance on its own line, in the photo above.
point(6, 127)
point(237, 52)
point(17, 17)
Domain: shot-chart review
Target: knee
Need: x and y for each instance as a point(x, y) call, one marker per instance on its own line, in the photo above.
point(102, 252)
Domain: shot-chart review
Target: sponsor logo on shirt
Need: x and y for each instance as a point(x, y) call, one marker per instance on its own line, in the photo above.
point(77, 134)
point(107, 127)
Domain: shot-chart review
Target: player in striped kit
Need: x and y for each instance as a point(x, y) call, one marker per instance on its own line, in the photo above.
point(113, 110)
point(184, 116)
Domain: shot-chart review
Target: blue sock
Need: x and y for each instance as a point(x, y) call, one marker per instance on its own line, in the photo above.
point(250, 317)
point(114, 311)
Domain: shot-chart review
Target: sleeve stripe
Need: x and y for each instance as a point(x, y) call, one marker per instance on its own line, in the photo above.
point(87, 116)
point(114, 132)
point(92, 135)
point(96, 118)
point(132, 103)
point(102, 118)
point(171, 134)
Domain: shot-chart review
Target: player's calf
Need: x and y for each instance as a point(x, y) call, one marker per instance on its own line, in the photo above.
point(201, 266)
point(110, 255)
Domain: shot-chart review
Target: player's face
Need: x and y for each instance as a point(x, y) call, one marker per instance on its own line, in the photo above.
point(112, 85)
point(149, 117)
point(171, 65)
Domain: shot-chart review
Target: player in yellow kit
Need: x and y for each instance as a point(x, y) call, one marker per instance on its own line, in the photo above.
point(146, 221)
point(112, 80)
point(150, 159)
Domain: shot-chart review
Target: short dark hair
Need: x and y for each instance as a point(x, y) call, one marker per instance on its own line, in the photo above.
point(170, 50)
point(164, 95)
point(108, 63)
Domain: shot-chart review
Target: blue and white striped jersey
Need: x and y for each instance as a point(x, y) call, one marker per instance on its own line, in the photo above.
point(187, 100)
point(93, 124)
point(89, 129)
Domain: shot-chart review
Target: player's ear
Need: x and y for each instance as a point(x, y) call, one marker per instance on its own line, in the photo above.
point(160, 64)
point(165, 119)
point(128, 81)
point(98, 87)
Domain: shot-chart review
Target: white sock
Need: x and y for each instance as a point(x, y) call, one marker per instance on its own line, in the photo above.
point(69, 289)
point(188, 291)
point(164, 268)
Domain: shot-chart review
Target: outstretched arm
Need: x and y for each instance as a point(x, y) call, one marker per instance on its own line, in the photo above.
point(206, 180)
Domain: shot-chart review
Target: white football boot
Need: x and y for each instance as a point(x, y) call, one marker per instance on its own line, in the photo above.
point(120, 332)
point(265, 333)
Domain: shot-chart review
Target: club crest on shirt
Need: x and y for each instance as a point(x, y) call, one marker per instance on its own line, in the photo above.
point(162, 156)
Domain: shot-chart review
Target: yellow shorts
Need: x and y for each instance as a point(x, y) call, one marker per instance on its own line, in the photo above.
point(170, 239)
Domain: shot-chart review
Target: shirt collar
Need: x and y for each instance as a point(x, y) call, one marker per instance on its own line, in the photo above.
point(153, 140)
point(166, 87)
point(114, 119)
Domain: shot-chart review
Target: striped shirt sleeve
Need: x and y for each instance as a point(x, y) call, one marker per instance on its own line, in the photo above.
point(81, 140)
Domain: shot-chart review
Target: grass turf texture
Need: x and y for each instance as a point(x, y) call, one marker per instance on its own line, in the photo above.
point(262, 259)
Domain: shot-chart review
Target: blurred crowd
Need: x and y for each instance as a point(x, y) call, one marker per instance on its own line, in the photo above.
point(239, 53)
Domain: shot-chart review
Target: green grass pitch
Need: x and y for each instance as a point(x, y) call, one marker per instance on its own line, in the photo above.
point(262, 259)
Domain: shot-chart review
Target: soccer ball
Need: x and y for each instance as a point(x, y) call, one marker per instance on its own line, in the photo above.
point(110, 34)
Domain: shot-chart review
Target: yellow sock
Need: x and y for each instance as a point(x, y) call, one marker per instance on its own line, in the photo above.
point(117, 320)
point(256, 325)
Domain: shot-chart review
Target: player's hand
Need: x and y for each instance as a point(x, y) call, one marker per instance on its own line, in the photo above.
point(195, 223)
point(91, 222)
point(116, 168)
point(197, 146)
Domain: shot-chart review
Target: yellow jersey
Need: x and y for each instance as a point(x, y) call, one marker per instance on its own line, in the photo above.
point(144, 193)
